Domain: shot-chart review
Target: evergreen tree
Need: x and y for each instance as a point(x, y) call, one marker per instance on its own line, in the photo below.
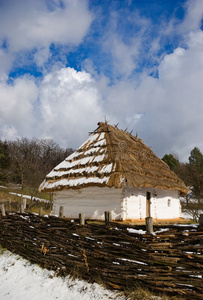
point(171, 161)
point(196, 173)
point(4, 162)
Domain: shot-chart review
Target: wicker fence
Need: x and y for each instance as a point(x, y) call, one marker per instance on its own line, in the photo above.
point(117, 255)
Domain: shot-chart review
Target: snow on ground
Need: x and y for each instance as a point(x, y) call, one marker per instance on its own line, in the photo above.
point(189, 215)
point(22, 280)
point(28, 197)
point(138, 231)
point(24, 196)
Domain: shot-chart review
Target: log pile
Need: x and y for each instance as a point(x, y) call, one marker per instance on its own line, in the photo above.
point(117, 255)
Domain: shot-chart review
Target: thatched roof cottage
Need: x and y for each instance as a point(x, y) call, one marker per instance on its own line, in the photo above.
point(115, 171)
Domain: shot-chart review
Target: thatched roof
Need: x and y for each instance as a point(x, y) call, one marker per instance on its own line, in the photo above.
point(112, 157)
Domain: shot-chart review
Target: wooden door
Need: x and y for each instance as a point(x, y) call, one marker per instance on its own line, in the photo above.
point(148, 204)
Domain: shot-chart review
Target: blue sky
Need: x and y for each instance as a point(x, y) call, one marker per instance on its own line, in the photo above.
point(68, 64)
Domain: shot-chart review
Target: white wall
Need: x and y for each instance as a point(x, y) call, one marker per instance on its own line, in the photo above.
point(164, 204)
point(93, 201)
point(129, 203)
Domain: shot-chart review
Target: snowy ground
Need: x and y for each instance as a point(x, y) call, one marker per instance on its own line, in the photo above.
point(29, 197)
point(24, 196)
point(19, 279)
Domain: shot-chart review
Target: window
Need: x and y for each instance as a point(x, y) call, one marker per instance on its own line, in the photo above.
point(169, 202)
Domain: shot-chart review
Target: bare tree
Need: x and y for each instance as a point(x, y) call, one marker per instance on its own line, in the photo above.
point(31, 160)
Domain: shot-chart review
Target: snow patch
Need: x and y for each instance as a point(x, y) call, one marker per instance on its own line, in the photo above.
point(76, 182)
point(29, 197)
point(68, 165)
point(100, 143)
point(22, 280)
point(106, 169)
point(138, 231)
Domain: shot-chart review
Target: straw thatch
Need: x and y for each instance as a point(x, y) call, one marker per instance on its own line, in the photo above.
point(114, 158)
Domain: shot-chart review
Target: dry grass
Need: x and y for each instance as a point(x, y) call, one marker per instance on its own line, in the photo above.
point(36, 210)
point(157, 222)
point(144, 294)
point(6, 197)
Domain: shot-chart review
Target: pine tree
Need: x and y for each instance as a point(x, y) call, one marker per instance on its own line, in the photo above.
point(4, 162)
point(196, 173)
point(171, 161)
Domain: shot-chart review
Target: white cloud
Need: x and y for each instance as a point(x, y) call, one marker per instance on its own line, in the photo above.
point(6, 61)
point(194, 16)
point(69, 106)
point(9, 133)
point(125, 49)
point(17, 108)
point(166, 111)
point(31, 25)
point(28, 24)
point(42, 56)
point(65, 107)
point(124, 56)
point(147, 40)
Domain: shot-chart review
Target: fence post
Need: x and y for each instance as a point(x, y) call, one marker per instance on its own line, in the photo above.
point(201, 221)
point(9, 207)
point(21, 207)
point(108, 217)
point(61, 211)
point(82, 219)
point(41, 212)
point(24, 203)
point(3, 210)
point(201, 226)
point(149, 224)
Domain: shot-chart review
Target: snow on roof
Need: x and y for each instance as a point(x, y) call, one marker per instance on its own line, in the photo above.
point(79, 162)
point(111, 157)
point(89, 169)
point(86, 166)
point(76, 182)
point(100, 143)
point(106, 169)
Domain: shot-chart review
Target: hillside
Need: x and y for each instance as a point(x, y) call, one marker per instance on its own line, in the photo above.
point(22, 280)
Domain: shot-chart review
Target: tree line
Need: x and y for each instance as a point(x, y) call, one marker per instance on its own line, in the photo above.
point(27, 161)
point(192, 175)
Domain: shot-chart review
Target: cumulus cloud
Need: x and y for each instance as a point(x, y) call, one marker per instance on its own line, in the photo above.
point(65, 106)
point(70, 106)
point(17, 102)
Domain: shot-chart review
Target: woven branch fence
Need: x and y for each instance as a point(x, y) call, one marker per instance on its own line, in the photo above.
point(169, 261)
